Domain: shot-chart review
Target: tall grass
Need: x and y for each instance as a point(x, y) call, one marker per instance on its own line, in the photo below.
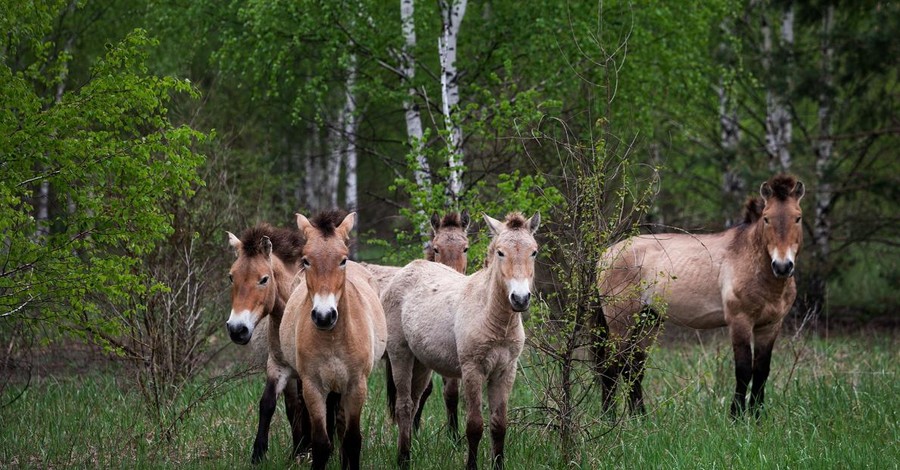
point(830, 404)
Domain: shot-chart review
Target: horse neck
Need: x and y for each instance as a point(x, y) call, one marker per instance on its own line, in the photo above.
point(284, 276)
point(499, 318)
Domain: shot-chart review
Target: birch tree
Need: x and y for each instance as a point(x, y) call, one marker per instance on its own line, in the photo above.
point(452, 12)
point(414, 129)
point(350, 130)
point(778, 116)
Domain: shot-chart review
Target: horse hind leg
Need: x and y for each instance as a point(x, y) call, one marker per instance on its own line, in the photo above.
point(451, 402)
point(417, 421)
point(642, 338)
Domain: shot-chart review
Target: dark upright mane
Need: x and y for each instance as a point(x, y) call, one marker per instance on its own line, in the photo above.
point(451, 219)
point(327, 221)
point(753, 209)
point(515, 220)
point(287, 244)
point(782, 186)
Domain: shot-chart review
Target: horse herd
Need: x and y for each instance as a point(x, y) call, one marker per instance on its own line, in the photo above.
point(325, 321)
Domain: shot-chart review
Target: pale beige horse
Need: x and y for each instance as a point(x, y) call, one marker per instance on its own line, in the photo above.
point(740, 278)
point(334, 328)
point(268, 258)
point(449, 246)
point(467, 327)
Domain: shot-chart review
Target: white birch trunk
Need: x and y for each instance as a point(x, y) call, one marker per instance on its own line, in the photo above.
point(733, 186)
point(452, 12)
point(333, 162)
point(824, 150)
point(779, 128)
point(414, 128)
point(350, 129)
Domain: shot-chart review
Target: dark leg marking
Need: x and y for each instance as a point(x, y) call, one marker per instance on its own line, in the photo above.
point(267, 406)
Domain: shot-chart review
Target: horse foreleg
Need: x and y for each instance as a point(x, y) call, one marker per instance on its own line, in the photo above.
point(297, 416)
point(351, 441)
point(743, 366)
point(498, 390)
point(451, 402)
point(267, 404)
point(763, 342)
point(321, 444)
point(472, 381)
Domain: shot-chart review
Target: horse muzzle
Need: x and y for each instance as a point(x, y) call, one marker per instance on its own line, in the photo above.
point(783, 269)
point(239, 332)
point(324, 319)
point(520, 302)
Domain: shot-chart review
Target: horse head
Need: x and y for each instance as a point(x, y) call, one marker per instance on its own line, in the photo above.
point(512, 252)
point(325, 262)
point(782, 222)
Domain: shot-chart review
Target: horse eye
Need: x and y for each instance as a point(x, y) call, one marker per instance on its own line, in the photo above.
point(435, 250)
point(305, 262)
point(534, 253)
point(798, 220)
point(230, 278)
point(766, 219)
point(264, 280)
point(466, 250)
point(344, 262)
point(500, 254)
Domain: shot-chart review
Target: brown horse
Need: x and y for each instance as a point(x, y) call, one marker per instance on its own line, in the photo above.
point(449, 246)
point(339, 331)
point(740, 278)
point(467, 327)
point(267, 260)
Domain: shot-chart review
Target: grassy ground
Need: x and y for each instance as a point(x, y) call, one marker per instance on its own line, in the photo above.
point(831, 404)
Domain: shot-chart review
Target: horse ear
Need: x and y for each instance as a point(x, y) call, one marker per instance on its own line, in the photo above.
point(303, 224)
point(765, 191)
point(464, 219)
point(534, 222)
point(493, 224)
point(265, 245)
point(798, 191)
point(346, 226)
point(234, 241)
point(435, 221)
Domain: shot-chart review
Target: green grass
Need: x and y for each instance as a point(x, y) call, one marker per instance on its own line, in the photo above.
point(830, 404)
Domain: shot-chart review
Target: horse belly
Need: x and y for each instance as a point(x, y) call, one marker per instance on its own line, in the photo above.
point(430, 335)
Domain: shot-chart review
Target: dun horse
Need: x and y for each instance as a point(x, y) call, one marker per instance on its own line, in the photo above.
point(449, 246)
point(740, 278)
point(467, 327)
point(267, 260)
point(338, 332)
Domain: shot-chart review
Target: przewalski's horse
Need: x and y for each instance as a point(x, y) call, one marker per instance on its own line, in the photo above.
point(467, 327)
point(449, 246)
point(261, 277)
point(740, 278)
point(339, 332)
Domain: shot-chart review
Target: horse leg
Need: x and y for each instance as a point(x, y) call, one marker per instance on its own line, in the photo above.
point(390, 388)
point(743, 365)
point(763, 341)
point(498, 390)
point(321, 444)
point(402, 369)
point(633, 376)
point(297, 416)
point(267, 406)
point(425, 394)
point(473, 380)
point(351, 441)
point(451, 402)
point(334, 417)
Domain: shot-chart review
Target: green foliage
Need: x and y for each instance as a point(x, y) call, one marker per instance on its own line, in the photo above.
point(109, 155)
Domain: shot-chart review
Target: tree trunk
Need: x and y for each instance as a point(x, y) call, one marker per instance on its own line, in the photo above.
point(733, 185)
point(350, 130)
point(817, 293)
point(414, 128)
point(778, 116)
point(452, 12)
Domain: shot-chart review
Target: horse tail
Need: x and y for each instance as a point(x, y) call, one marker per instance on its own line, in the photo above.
point(391, 388)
